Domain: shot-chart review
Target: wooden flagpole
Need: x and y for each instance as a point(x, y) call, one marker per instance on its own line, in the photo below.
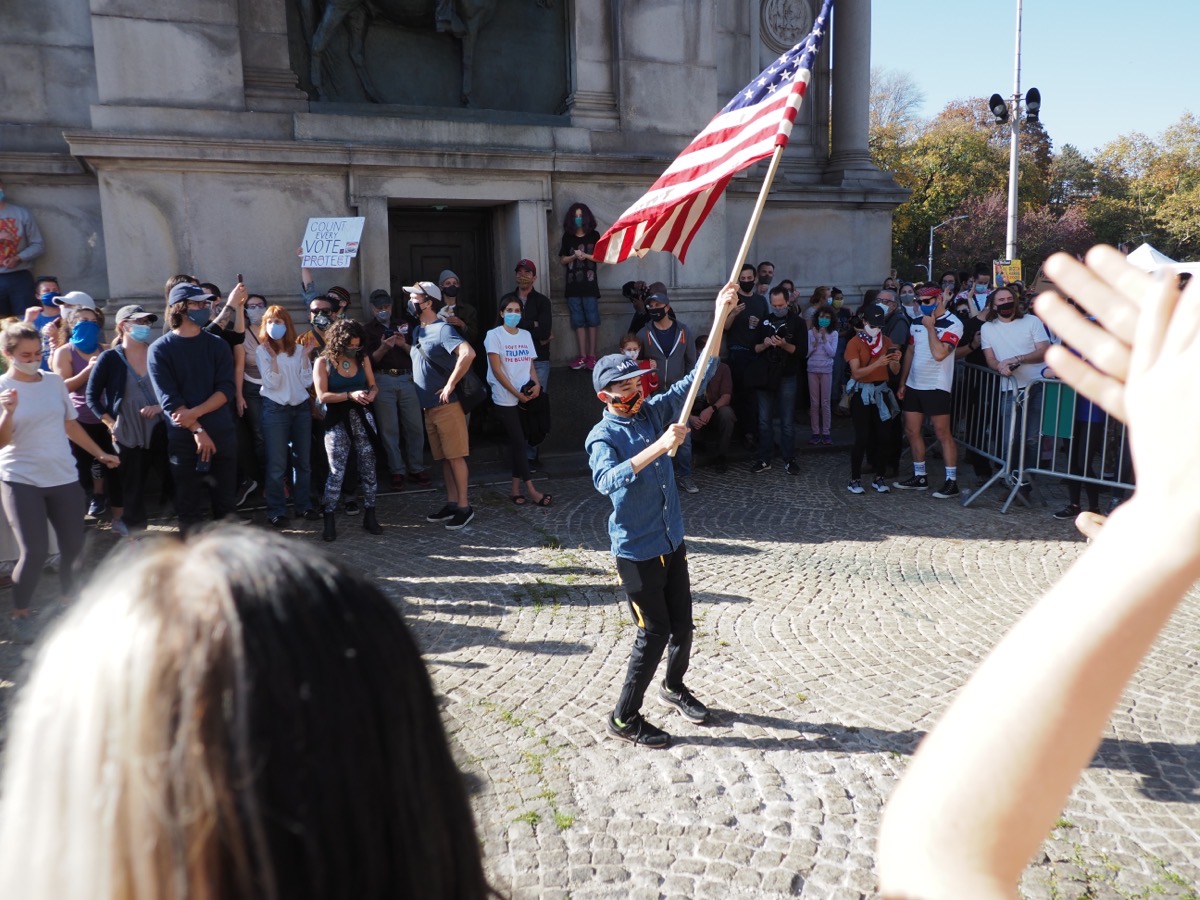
point(718, 326)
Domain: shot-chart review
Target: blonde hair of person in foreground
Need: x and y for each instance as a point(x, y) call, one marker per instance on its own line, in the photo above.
point(987, 784)
point(237, 716)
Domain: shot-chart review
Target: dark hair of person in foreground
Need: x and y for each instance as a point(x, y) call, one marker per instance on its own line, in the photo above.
point(234, 717)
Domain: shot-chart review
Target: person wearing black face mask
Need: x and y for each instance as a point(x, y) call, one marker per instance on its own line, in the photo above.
point(1014, 345)
point(780, 337)
point(740, 328)
point(669, 343)
point(455, 311)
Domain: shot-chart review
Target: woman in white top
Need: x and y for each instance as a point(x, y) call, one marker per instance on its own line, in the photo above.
point(287, 374)
point(513, 377)
point(38, 478)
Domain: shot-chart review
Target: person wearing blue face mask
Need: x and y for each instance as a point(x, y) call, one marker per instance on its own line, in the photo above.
point(192, 373)
point(73, 362)
point(926, 378)
point(120, 394)
point(514, 380)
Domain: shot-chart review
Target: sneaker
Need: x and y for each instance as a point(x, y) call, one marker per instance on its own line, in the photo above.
point(244, 490)
point(120, 528)
point(461, 518)
point(352, 507)
point(685, 482)
point(97, 508)
point(826, 439)
point(277, 521)
point(578, 363)
point(948, 490)
point(589, 362)
point(398, 481)
point(639, 732)
point(689, 707)
point(814, 440)
point(421, 479)
point(916, 483)
point(1068, 512)
point(759, 467)
point(445, 514)
point(880, 485)
point(310, 515)
point(855, 488)
point(791, 467)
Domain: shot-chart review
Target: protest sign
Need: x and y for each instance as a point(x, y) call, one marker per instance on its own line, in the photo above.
point(1005, 271)
point(330, 243)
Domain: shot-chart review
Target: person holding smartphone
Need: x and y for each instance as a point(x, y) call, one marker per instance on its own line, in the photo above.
point(514, 380)
point(872, 359)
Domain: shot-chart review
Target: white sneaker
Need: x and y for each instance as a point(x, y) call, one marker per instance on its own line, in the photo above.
point(855, 488)
point(880, 485)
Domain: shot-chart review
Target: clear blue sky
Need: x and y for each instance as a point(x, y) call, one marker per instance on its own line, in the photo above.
point(1136, 59)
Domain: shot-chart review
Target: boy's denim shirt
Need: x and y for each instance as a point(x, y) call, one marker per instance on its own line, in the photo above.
point(646, 520)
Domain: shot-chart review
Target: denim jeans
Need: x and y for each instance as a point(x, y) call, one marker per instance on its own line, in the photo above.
point(398, 414)
point(780, 403)
point(283, 425)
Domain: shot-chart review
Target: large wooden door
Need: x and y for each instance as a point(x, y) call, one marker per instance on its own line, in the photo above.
point(426, 241)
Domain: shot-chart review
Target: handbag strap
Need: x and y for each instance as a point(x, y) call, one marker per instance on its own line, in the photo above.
point(140, 380)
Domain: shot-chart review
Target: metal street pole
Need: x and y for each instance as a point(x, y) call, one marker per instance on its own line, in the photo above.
point(1015, 117)
point(929, 270)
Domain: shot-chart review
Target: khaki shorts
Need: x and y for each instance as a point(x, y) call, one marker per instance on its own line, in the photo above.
point(447, 429)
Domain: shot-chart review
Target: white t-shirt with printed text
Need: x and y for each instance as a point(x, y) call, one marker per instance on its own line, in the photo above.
point(516, 352)
point(927, 373)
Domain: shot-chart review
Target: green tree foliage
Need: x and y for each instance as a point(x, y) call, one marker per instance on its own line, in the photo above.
point(1134, 189)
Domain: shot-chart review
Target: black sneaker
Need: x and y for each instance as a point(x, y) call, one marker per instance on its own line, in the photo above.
point(461, 518)
point(278, 521)
point(916, 483)
point(352, 507)
point(311, 515)
point(791, 467)
point(639, 732)
point(689, 707)
point(759, 467)
point(445, 514)
point(1068, 512)
point(948, 490)
point(244, 490)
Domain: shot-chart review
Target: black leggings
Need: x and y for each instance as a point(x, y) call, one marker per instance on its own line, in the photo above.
point(659, 591)
point(510, 418)
point(28, 509)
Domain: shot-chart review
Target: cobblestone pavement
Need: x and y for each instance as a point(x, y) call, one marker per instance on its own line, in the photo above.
point(832, 630)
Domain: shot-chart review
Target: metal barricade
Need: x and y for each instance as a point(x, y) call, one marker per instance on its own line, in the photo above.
point(981, 421)
point(1067, 436)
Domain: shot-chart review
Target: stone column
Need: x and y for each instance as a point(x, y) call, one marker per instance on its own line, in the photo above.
point(851, 88)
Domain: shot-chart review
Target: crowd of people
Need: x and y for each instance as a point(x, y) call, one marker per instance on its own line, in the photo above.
point(229, 396)
point(297, 750)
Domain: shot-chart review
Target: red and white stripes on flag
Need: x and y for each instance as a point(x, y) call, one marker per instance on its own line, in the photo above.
point(748, 129)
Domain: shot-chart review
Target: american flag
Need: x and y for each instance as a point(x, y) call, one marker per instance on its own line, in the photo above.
point(756, 121)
